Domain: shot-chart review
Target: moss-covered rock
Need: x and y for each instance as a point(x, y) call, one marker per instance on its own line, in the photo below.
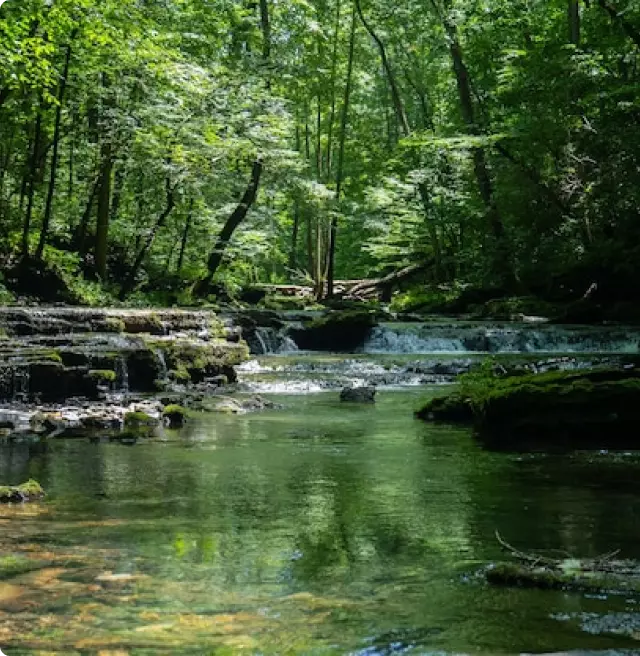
point(174, 416)
point(337, 331)
point(599, 407)
point(136, 419)
point(103, 376)
point(195, 361)
point(29, 491)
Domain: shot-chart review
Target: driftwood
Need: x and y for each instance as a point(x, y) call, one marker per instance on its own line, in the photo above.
point(604, 563)
point(363, 289)
point(368, 288)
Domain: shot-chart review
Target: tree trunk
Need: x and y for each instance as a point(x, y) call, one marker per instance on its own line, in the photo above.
point(130, 282)
point(265, 25)
point(26, 228)
point(185, 238)
point(334, 66)
point(104, 201)
point(402, 119)
point(46, 222)
point(215, 258)
point(480, 165)
point(618, 17)
point(80, 233)
point(104, 193)
point(395, 91)
point(341, 148)
point(573, 15)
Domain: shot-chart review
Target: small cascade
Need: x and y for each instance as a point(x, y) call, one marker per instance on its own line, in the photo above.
point(122, 374)
point(487, 338)
point(162, 364)
point(20, 383)
point(269, 341)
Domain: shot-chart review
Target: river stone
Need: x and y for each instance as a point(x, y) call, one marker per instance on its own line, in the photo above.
point(358, 394)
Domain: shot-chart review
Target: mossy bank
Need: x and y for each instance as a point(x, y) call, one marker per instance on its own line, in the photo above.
point(594, 408)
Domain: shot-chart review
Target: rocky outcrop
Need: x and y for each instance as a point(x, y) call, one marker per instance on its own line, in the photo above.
point(52, 355)
point(339, 332)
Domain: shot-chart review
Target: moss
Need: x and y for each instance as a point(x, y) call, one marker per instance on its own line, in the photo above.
point(26, 492)
point(114, 325)
point(557, 408)
point(50, 356)
point(11, 566)
point(174, 415)
point(103, 375)
point(134, 419)
point(193, 361)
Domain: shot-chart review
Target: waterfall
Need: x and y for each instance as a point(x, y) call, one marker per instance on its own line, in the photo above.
point(20, 383)
point(162, 363)
point(122, 374)
point(492, 338)
point(272, 341)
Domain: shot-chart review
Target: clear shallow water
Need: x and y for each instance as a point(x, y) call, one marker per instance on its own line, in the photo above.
point(318, 529)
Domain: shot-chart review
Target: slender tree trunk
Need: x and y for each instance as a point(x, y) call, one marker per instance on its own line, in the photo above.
point(393, 84)
point(334, 66)
point(46, 222)
point(104, 191)
point(185, 237)
point(293, 255)
point(573, 15)
point(403, 121)
point(341, 150)
point(265, 25)
point(618, 17)
point(481, 168)
point(130, 281)
point(104, 203)
point(26, 228)
point(237, 216)
point(118, 185)
point(80, 233)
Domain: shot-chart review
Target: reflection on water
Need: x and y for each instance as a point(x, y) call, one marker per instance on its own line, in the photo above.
point(319, 529)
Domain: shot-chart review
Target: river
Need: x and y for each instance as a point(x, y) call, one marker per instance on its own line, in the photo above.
point(316, 528)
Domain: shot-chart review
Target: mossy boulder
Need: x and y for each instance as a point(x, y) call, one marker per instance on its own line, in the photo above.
point(336, 331)
point(596, 408)
point(29, 491)
point(174, 416)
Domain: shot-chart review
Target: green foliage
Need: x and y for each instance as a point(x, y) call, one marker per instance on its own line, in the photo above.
point(532, 179)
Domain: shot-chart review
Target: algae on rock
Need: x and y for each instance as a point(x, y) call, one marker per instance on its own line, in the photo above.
point(28, 491)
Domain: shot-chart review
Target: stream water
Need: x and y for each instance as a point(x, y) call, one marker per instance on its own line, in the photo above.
point(316, 528)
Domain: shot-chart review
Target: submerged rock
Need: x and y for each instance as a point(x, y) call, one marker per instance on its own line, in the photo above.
point(29, 491)
point(358, 394)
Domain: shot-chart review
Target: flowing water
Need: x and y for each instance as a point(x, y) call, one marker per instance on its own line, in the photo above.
point(319, 528)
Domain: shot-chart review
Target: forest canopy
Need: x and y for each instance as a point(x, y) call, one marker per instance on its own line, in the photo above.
point(164, 149)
